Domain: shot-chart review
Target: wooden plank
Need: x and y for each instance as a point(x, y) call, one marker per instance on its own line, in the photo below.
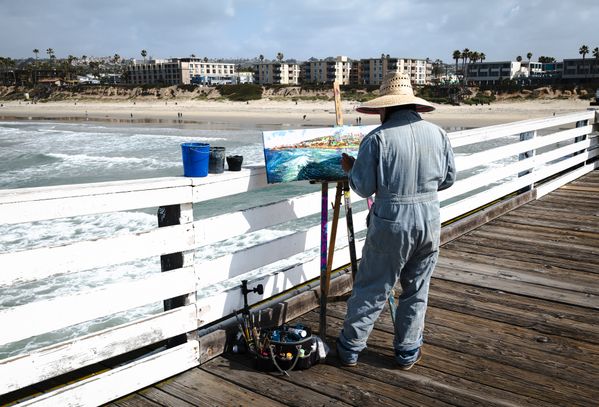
point(520, 270)
point(531, 290)
point(163, 398)
point(228, 183)
point(225, 226)
point(507, 250)
point(136, 400)
point(201, 388)
point(342, 385)
point(466, 137)
point(90, 189)
point(31, 211)
point(462, 226)
point(526, 228)
point(123, 380)
point(498, 153)
point(254, 257)
point(48, 315)
point(553, 357)
point(490, 371)
point(273, 386)
point(30, 265)
point(550, 220)
point(229, 300)
point(578, 284)
point(565, 246)
point(51, 361)
point(541, 316)
point(378, 363)
point(572, 175)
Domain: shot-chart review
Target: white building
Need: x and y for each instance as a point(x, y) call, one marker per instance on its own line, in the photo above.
point(180, 71)
point(277, 73)
point(373, 70)
point(486, 73)
point(328, 70)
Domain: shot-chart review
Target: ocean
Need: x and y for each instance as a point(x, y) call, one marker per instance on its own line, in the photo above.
point(46, 153)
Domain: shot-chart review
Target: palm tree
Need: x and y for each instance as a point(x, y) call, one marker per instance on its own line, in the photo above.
point(529, 56)
point(596, 55)
point(482, 56)
point(205, 59)
point(36, 52)
point(456, 55)
point(584, 50)
point(280, 56)
point(144, 53)
point(519, 58)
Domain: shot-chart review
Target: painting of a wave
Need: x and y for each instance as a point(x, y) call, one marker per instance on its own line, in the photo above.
point(310, 154)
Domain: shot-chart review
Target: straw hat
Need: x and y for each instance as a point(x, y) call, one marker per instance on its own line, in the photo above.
point(396, 90)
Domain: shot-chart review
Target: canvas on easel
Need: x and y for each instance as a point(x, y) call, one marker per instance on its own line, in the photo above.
point(310, 154)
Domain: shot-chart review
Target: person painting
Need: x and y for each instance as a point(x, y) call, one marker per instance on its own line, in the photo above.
point(405, 161)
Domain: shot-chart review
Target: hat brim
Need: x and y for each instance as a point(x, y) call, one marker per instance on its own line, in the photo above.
point(373, 106)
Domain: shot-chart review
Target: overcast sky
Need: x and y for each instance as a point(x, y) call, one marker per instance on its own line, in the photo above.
point(300, 29)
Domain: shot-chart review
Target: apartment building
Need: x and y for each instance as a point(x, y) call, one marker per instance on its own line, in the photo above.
point(374, 69)
point(487, 73)
point(277, 73)
point(180, 71)
point(579, 68)
point(327, 70)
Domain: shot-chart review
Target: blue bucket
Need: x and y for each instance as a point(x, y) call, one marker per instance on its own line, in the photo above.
point(195, 159)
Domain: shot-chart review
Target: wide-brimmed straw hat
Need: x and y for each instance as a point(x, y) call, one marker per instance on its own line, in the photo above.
point(396, 90)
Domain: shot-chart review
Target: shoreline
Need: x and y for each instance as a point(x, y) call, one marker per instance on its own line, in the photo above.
point(265, 114)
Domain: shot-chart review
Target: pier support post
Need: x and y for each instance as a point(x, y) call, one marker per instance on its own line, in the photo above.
point(529, 135)
point(169, 216)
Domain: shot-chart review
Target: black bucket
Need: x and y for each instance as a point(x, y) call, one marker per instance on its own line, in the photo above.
point(234, 162)
point(216, 165)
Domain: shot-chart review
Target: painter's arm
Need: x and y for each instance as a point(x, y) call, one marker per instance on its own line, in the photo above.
point(450, 170)
point(362, 175)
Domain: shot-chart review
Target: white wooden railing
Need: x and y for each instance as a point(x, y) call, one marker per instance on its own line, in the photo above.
point(529, 159)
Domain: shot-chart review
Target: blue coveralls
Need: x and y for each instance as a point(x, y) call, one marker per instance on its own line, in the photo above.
point(405, 162)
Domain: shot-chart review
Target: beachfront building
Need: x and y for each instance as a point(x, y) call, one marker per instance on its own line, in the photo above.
point(488, 73)
point(374, 69)
point(180, 71)
point(580, 69)
point(243, 77)
point(277, 73)
point(327, 70)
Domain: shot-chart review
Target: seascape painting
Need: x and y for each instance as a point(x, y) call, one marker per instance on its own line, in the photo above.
point(310, 154)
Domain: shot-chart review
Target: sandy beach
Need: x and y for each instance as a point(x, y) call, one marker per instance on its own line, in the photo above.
point(265, 114)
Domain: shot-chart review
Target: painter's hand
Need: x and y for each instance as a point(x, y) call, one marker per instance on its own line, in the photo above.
point(347, 162)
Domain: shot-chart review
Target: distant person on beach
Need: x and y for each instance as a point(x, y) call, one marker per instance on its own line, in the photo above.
point(405, 161)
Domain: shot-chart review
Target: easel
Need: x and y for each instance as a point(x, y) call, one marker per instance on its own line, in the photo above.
point(326, 257)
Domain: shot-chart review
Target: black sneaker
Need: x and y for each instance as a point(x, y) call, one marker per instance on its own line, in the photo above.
point(408, 365)
point(346, 357)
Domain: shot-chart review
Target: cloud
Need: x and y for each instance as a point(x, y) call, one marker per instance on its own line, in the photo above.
point(299, 29)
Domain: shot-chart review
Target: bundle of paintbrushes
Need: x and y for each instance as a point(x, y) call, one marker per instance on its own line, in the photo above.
point(282, 348)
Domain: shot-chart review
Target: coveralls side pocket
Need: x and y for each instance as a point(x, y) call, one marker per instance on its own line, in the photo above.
point(382, 235)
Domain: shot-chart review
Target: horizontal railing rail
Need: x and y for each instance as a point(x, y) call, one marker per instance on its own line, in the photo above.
point(535, 155)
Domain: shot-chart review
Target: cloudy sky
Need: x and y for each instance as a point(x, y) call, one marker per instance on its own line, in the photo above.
point(300, 29)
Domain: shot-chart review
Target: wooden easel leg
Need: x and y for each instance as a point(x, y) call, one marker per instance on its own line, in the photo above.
point(325, 280)
point(350, 229)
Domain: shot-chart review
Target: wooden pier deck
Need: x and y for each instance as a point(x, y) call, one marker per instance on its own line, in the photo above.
point(512, 321)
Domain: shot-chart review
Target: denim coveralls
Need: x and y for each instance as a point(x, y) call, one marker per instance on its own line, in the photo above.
point(405, 162)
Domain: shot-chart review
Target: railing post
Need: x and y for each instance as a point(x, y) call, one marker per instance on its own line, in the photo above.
point(529, 135)
point(168, 216)
point(580, 123)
